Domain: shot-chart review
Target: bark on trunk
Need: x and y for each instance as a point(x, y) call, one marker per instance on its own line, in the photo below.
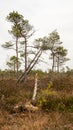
point(58, 65)
point(31, 65)
point(25, 54)
point(17, 55)
point(35, 87)
point(53, 62)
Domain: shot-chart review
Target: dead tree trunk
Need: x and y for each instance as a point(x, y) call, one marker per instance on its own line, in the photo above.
point(35, 88)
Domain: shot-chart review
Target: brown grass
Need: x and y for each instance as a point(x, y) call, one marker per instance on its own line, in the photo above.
point(52, 120)
point(36, 121)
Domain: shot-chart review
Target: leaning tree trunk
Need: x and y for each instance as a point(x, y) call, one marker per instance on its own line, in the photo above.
point(29, 68)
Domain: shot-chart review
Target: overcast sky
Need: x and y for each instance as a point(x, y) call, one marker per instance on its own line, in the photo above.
point(45, 16)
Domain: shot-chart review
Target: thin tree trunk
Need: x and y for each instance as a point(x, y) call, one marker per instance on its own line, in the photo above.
point(17, 55)
point(31, 65)
point(58, 65)
point(25, 54)
point(30, 68)
point(53, 62)
point(14, 68)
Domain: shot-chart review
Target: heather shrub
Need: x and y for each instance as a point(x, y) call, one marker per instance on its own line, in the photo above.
point(11, 94)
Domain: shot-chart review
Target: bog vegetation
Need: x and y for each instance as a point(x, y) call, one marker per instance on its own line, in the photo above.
point(54, 97)
point(55, 94)
point(54, 88)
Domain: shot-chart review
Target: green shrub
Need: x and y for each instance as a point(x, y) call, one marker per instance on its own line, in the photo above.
point(57, 104)
point(68, 102)
point(50, 100)
point(45, 97)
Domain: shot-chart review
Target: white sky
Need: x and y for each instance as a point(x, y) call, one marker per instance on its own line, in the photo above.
point(45, 16)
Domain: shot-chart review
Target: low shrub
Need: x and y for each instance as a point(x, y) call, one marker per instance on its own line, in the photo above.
point(57, 104)
point(11, 94)
point(50, 100)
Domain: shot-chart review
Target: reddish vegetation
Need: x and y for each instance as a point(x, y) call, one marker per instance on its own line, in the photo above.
point(39, 120)
point(36, 121)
